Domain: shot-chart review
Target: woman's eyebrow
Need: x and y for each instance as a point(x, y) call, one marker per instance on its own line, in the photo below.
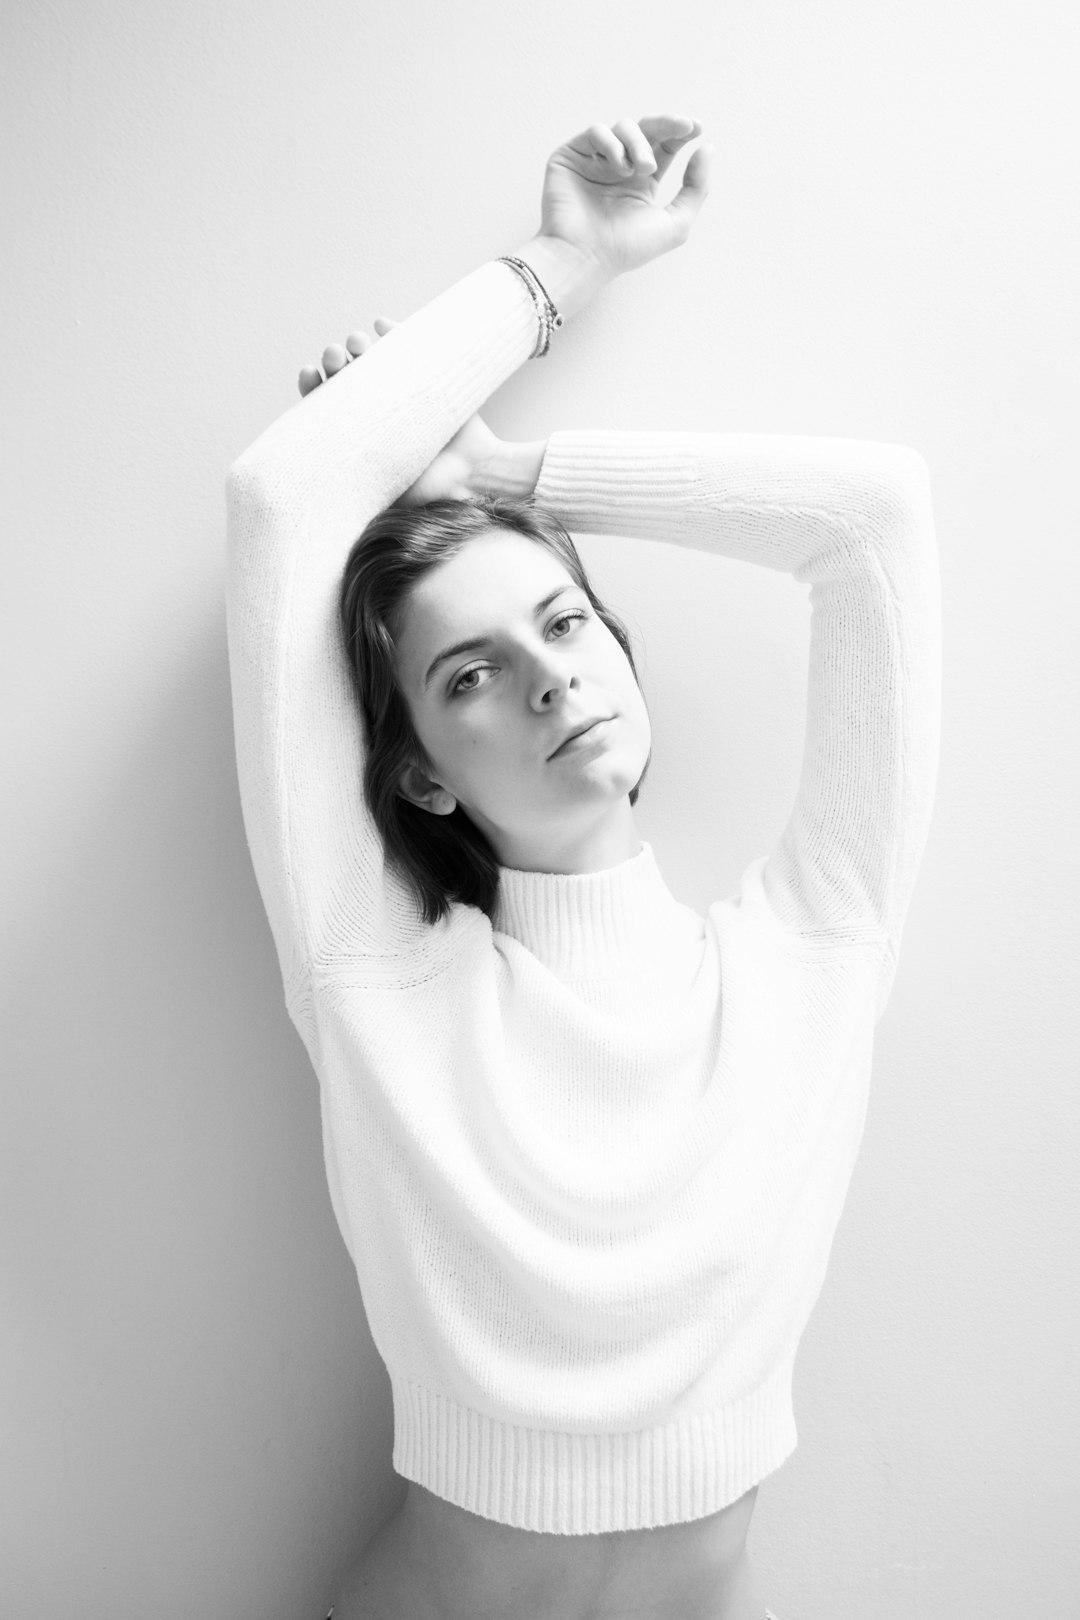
point(475, 643)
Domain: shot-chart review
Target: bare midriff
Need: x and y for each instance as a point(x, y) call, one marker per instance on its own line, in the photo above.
point(434, 1561)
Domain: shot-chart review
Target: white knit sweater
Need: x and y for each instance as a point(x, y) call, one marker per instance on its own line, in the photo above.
point(588, 1161)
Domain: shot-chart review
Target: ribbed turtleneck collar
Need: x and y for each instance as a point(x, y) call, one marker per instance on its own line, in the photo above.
point(592, 924)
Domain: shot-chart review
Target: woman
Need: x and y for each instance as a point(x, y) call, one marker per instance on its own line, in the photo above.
point(587, 1149)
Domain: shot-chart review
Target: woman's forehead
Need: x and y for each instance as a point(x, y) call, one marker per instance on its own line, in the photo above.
point(501, 573)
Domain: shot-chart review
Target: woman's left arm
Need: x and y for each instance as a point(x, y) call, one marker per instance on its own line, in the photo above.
point(853, 520)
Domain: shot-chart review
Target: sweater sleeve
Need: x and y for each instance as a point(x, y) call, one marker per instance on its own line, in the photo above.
point(295, 502)
point(852, 520)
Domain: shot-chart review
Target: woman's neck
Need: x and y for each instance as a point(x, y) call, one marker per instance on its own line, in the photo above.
point(588, 848)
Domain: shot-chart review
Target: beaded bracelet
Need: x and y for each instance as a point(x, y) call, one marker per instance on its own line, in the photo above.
point(548, 315)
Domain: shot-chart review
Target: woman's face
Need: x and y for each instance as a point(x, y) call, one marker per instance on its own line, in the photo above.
point(502, 659)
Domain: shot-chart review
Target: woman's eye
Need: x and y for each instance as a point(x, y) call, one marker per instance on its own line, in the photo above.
point(465, 682)
point(567, 618)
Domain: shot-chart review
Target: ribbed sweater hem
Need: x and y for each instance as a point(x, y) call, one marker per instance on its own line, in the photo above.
point(586, 1484)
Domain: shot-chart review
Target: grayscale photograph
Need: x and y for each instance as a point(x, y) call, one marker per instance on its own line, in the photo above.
point(541, 1034)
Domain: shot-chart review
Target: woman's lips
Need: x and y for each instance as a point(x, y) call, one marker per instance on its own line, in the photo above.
point(583, 739)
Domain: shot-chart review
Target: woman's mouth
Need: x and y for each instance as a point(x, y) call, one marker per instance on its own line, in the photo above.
point(591, 735)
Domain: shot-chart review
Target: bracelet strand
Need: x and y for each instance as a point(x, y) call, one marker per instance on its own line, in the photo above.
point(548, 316)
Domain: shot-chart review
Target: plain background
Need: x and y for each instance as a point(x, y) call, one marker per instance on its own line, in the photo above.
point(198, 198)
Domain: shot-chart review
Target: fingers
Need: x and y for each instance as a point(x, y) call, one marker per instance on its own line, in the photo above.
point(615, 153)
point(671, 131)
point(629, 147)
point(335, 357)
point(667, 135)
point(686, 204)
point(639, 154)
point(600, 144)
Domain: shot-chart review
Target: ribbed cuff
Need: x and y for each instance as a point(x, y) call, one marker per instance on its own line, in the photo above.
point(587, 1484)
point(607, 481)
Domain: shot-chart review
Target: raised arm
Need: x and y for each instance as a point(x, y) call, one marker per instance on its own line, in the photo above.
point(303, 492)
point(852, 520)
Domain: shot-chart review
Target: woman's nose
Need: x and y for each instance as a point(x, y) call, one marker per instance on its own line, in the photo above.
point(552, 677)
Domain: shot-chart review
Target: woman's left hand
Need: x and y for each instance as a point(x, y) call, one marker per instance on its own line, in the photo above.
point(600, 191)
point(457, 473)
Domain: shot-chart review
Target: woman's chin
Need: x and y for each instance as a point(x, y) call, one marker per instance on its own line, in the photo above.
point(607, 776)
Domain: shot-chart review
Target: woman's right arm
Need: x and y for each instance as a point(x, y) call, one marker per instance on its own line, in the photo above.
point(301, 494)
point(296, 501)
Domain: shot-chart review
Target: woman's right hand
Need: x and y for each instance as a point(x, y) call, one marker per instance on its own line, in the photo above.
point(473, 463)
point(599, 194)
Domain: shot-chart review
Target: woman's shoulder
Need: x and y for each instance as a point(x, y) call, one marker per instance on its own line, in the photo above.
point(412, 954)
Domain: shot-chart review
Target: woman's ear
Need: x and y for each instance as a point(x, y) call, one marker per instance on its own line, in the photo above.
point(423, 792)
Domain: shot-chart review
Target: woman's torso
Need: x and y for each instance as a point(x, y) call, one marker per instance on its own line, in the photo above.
point(434, 1561)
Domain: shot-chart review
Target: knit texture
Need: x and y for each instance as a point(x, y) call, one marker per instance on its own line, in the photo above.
point(588, 1156)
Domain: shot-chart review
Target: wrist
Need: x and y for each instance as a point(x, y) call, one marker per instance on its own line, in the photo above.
point(568, 274)
point(511, 470)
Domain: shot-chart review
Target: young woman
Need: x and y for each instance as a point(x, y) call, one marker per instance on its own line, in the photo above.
point(587, 1149)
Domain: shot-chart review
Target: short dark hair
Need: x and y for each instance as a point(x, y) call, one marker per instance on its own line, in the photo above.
point(443, 858)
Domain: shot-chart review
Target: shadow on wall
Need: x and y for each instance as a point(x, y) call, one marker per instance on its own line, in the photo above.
point(199, 1402)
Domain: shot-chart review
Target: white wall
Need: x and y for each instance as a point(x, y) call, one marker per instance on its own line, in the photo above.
point(196, 199)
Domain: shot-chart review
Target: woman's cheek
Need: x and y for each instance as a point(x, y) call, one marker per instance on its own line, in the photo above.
point(477, 754)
